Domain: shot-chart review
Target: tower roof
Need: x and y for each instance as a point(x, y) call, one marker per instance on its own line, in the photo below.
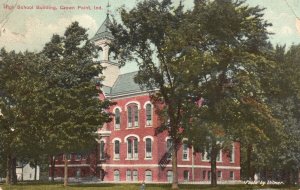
point(103, 32)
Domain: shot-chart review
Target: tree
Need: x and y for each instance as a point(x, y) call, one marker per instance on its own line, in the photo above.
point(167, 66)
point(235, 41)
point(71, 100)
point(215, 53)
point(19, 84)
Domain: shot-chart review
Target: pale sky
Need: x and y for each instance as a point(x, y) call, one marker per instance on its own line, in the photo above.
point(31, 28)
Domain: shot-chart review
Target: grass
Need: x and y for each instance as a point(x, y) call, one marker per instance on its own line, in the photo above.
point(28, 186)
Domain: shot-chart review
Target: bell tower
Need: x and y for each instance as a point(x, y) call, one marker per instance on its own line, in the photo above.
point(103, 39)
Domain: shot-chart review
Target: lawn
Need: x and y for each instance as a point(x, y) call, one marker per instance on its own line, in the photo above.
point(135, 187)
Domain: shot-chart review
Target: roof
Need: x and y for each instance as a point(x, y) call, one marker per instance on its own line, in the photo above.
point(124, 85)
point(103, 32)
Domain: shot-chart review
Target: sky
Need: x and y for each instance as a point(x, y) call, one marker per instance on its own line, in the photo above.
point(25, 27)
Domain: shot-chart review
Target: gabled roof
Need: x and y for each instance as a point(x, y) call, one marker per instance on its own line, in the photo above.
point(124, 85)
point(103, 32)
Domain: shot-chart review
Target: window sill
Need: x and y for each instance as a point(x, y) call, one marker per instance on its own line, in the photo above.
point(131, 159)
point(148, 126)
point(116, 159)
point(185, 160)
point(147, 158)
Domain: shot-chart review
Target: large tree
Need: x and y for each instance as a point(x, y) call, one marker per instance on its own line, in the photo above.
point(74, 109)
point(20, 85)
point(214, 51)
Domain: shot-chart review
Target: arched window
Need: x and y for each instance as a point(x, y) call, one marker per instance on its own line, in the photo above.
point(148, 114)
point(148, 175)
point(117, 150)
point(169, 150)
point(231, 153)
point(132, 115)
point(185, 151)
point(132, 148)
point(116, 175)
point(102, 150)
point(148, 148)
point(117, 118)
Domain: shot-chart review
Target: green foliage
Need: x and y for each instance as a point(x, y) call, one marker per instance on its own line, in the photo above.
point(216, 53)
point(49, 100)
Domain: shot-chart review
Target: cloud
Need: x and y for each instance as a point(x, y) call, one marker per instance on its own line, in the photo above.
point(37, 32)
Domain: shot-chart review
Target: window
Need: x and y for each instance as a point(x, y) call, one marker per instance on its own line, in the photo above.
point(148, 175)
point(169, 145)
point(204, 175)
point(128, 175)
point(102, 151)
point(135, 175)
point(219, 156)
point(117, 118)
point(116, 175)
point(78, 173)
point(205, 155)
point(117, 150)
point(133, 115)
point(231, 175)
point(132, 148)
point(78, 156)
point(170, 176)
point(148, 148)
point(185, 152)
point(186, 175)
point(231, 153)
point(219, 175)
point(148, 114)
point(68, 156)
point(208, 175)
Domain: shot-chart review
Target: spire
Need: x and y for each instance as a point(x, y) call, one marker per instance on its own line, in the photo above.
point(104, 32)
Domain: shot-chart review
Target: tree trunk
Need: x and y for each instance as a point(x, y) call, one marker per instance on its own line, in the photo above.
point(174, 165)
point(248, 162)
point(213, 163)
point(52, 168)
point(66, 171)
point(35, 169)
point(13, 170)
point(8, 170)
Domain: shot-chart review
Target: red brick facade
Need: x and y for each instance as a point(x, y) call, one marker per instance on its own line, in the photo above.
point(124, 169)
point(121, 154)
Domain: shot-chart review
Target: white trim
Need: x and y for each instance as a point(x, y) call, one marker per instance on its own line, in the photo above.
point(133, 102)
point(114, 110)
point(148, 102)
point(104, 133)
point(168, 137)
point(145, 92)
point(184, 139)
point(149, 136)
point(72, 165)
point(102, 140)
point(133, 135)
point(148, 123)
point(169, 165)
point(232, 153)
point(116, 138)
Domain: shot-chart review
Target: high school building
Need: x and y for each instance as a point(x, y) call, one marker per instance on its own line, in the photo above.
point(128, 149)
